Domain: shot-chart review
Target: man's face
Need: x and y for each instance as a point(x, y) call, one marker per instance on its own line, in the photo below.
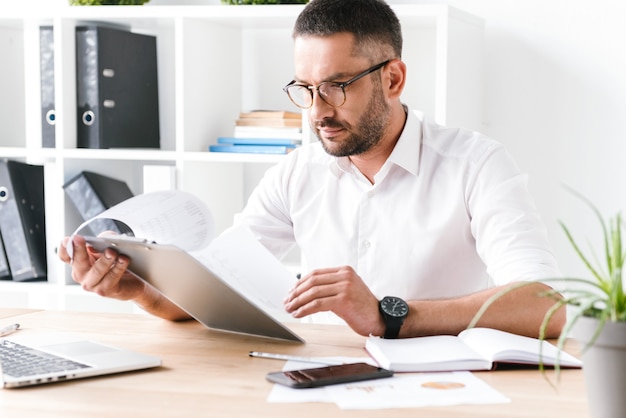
point(360, 123)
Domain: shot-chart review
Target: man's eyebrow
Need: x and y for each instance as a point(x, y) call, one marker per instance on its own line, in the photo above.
point(333, 78)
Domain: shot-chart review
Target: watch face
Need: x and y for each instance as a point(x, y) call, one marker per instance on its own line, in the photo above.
point(394, 306)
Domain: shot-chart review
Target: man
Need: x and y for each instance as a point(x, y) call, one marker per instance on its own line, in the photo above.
point(385, 204)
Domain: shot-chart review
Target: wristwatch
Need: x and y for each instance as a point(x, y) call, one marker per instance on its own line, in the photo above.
point(394, 311)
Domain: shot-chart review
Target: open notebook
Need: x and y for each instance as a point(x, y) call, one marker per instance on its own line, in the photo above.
point(472, 349)
point(35, 359)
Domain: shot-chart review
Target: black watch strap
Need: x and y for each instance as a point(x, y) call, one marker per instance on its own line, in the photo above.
point(392, 327)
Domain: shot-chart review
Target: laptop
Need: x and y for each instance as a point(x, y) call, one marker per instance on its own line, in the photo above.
point(34, 359)
point(236, 286)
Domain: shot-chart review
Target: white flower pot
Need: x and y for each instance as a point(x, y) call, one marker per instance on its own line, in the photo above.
point(604, 366)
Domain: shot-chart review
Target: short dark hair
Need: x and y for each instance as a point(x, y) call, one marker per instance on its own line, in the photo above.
point(372, 22)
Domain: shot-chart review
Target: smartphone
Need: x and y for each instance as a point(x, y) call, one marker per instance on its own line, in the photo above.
point(328, 375)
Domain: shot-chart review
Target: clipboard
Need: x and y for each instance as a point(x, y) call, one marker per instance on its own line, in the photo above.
point(195, 288)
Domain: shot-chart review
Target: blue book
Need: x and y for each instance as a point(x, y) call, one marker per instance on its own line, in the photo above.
point(252, 149)
point(289, 142)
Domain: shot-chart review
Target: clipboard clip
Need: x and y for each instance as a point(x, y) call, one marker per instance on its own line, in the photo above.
point(111, 241)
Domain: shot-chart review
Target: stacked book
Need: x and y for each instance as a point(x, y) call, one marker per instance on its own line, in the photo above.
point(263, 132)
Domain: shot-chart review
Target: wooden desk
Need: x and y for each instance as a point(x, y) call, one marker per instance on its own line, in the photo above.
point(9, 312)
point(209, 373)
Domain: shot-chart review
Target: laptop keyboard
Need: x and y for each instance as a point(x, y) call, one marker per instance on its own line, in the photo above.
point(18, 361)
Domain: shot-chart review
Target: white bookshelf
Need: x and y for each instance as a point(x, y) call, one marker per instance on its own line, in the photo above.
point(213, 62)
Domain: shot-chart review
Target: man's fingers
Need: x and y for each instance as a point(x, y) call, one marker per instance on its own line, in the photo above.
point(88, 274)
point(64, 251)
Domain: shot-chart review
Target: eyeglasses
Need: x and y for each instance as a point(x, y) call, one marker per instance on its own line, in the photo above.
point(331, 92)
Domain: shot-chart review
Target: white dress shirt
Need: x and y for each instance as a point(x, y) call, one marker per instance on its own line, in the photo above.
point(449, 214)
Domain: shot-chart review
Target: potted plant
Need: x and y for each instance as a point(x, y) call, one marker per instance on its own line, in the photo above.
point(597, 319)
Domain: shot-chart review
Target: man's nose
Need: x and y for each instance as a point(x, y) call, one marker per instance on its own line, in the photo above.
point(319, 110)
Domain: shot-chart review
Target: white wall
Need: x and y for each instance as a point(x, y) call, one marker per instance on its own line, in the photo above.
point(555, 94)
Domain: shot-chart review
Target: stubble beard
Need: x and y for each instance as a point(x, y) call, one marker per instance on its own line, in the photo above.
point(369, 130)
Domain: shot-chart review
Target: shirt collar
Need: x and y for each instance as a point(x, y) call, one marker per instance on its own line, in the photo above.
point(406, 153)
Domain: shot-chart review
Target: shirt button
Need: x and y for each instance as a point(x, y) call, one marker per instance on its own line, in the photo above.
point(367, 244)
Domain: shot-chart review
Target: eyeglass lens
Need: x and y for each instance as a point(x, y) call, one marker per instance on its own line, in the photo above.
point(331, 93)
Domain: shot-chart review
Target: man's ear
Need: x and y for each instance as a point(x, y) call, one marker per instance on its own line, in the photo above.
point(396, 78)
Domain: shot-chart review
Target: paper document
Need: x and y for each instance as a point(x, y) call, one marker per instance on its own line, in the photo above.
point(400, 391)
point(229, 282)
point(166, 217)
point(181, 219)
point(417, 390)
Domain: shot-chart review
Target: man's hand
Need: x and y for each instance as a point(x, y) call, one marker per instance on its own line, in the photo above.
point(101, 273)
point(341, 291)
point(106, 274)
